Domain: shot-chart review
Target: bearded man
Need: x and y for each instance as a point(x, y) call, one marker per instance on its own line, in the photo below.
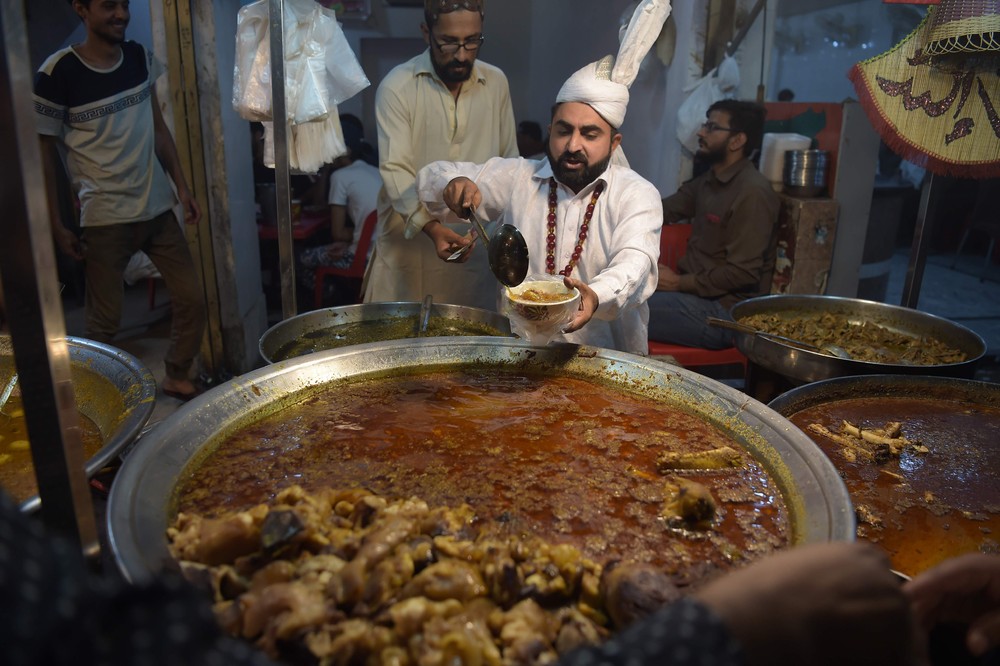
point(443, 104)
point(582, 214)
point(734, 215)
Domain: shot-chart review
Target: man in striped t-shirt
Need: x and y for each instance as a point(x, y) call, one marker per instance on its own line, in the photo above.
point(97, 100)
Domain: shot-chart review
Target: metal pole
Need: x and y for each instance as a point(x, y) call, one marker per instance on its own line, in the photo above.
point(283, 193)
point(34, 308)
point(921, 239)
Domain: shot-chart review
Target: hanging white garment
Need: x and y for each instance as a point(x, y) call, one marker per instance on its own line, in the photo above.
point(721, 83)
point(321, 71)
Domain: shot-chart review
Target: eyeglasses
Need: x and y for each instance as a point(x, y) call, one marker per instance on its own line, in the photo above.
point(711, 127)
point(451, 48)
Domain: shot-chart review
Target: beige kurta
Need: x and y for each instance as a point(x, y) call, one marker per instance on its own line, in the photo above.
point(419, 122)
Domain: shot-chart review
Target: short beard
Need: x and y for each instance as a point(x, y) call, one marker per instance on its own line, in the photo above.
point(448, 73)
point(710, 157)
point(576, 180)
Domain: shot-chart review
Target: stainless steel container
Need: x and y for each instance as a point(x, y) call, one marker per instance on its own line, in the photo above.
point(111, 387)
point(315, 323)
point(805, 172)
point(139, 507)
point(801, 366)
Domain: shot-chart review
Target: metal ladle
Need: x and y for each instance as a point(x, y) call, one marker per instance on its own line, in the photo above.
point(829, 350)
point(5, 396)
point(506, 250)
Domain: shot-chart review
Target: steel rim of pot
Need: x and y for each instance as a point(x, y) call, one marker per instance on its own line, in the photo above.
point(284, 332)
point(125, 374)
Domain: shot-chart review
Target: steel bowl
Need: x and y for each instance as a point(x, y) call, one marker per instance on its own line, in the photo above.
point(801, 366)
point(140, 503)
point(112, 388)
point(293, 329)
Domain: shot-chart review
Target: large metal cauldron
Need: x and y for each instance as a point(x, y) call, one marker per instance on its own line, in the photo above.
point(294, 329)
point(111, 387)
point(954, 473)
point(140, 500)
point(801, 366)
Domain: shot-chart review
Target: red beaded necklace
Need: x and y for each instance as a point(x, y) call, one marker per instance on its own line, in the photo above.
point(550, 245)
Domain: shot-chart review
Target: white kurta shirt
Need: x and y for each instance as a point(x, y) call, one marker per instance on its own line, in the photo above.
point(419, 121)
point(619, 254)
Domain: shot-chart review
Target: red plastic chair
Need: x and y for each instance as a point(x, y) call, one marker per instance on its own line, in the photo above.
point(357, 268)
point(673, 244)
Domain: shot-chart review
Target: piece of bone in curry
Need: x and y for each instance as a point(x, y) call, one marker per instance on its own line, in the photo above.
point(720, 458)
point(633, 590)
point(689, 501)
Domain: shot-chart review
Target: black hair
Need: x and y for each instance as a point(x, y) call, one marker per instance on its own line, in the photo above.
point(786, 95)
point(434, 8)
point(745, 117)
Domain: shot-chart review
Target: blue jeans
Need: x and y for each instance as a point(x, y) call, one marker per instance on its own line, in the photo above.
point(679, 319)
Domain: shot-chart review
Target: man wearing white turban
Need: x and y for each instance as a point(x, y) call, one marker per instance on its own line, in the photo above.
point(584, 214)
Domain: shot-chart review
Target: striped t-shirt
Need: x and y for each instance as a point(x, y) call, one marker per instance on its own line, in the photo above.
point(105, 119)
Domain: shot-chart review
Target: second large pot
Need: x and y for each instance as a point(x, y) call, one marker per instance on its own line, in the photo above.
point(313, 331)
point(802, 366)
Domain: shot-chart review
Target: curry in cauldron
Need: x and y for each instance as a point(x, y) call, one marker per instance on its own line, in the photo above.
point(17, 472)
point(923, 474)
point(472, 515)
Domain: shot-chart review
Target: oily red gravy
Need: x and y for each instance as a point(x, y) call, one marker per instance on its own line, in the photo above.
point(559, 457)
point(921, 508)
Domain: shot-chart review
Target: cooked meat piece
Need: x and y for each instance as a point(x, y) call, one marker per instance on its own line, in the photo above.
point(409, 615)
point(866, 516)
point(501, 576)
point(278, 612)
point(350, 642)
point(458, 639)
point(576, 631)
point(527, 635)
point(217, 540)
point(450, 579)
point(278, 528)
point(720, 458)
point(690, 502)
point(635, 590)
point(387, 579)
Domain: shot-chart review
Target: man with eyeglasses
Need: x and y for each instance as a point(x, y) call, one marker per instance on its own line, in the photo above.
point(734, 215)
point(443, 104)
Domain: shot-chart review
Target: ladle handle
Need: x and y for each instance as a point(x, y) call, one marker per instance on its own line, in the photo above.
point(479, 224)
point(425, 314)
point(732, 325)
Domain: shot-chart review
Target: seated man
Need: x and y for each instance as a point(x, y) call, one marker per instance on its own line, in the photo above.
point(734, 213)
point(353, 195)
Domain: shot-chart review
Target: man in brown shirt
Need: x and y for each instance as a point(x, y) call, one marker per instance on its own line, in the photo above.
point(734, 215)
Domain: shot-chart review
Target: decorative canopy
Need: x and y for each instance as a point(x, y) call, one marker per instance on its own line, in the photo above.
point(939, 112)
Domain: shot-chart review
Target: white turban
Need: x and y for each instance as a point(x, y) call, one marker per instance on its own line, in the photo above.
point(603, 85)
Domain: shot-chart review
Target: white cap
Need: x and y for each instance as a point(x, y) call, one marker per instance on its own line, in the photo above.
point(603, 85)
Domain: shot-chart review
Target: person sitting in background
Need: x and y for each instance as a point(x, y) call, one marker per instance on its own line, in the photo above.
point(353, 195)
point(730, 254)
point(529, 140)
